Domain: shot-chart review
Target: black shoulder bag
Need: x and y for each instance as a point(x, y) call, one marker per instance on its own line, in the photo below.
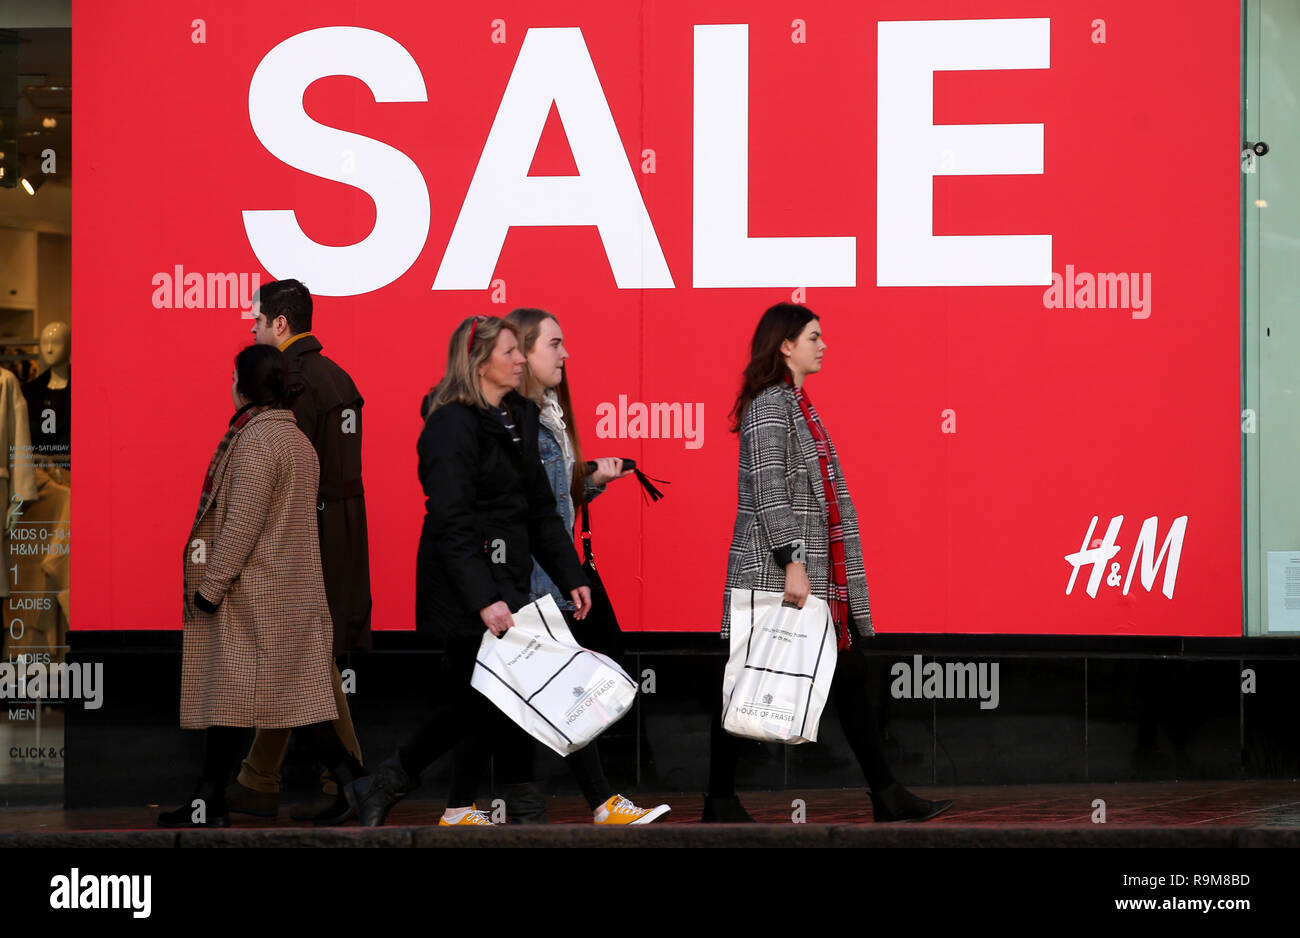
point(599, 631)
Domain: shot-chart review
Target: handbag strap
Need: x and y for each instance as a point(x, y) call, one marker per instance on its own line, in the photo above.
point(586, 537)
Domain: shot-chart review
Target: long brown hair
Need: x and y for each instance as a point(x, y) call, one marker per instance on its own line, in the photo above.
point(528, 325)
point(780, 323)
point(459, 382)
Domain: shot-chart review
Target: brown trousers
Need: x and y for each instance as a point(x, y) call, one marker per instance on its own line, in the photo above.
point(261, 769)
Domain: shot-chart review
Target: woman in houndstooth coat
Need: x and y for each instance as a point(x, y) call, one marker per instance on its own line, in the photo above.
point(780, 505)
point(796, 533)
point(258, 634)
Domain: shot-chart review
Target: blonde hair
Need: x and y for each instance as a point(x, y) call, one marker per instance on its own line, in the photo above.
point(460, 382)
point(528, 324)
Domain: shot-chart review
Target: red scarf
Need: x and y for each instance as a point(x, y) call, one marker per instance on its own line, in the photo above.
point(237, 422)
point(838, 581)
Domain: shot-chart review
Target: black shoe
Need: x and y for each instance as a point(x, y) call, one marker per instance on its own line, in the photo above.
point(525, 803)
point(244, 800)
point(896, 803)
point(377, 793)
point(727, 810)
point(208, 804)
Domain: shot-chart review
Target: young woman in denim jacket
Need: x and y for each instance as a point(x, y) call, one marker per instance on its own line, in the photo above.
point(546, 384)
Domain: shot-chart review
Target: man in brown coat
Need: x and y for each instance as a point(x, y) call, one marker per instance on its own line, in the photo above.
point(329, 414)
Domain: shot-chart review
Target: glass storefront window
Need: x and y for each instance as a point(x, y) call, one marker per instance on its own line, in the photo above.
point(35, 397)
point(1271, 317)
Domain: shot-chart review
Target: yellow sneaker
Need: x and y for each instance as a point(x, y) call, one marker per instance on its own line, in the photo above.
point(471, 818)
point(618, 810)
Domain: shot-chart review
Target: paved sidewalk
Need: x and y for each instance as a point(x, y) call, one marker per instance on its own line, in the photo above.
point(1166, 814)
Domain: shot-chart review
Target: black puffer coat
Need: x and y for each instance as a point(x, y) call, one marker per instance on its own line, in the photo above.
point(489, 511)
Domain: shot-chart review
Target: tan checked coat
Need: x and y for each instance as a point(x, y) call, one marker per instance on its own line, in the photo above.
point(263, 659)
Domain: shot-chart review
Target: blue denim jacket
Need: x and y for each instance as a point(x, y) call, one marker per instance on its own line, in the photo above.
point(553, 461)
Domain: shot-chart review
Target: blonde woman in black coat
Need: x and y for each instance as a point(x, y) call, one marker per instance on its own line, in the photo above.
point(489, 511)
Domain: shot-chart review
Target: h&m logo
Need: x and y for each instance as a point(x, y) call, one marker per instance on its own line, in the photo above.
point(1100, 553)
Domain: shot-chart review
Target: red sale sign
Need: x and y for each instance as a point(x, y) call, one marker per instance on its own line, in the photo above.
point(1018, 222)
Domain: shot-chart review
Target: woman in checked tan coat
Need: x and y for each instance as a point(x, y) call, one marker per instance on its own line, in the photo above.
point(258, 633)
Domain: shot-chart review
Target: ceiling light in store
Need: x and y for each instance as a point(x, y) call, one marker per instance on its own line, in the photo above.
point(31, 183)
point(49, 122)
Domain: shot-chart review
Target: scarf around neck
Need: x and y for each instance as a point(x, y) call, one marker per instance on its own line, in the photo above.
point(237, 423)
point(552, 417)
point(838, 582)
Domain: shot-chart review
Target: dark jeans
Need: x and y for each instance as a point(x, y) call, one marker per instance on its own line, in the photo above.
point(853, 706)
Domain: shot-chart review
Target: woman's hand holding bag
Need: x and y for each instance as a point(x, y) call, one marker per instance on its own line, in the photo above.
point(797, 586)
point(497, 618)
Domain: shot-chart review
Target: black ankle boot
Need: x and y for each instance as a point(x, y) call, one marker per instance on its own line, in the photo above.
point(725, 810)
point(376, 794)
point(350, 777)
point(207, 804)
point(896, 803)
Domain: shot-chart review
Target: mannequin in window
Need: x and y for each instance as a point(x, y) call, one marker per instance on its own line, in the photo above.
point(49, 396)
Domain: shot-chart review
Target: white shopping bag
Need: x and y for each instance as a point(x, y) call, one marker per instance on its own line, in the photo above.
point(779, 674)
point(537, 674)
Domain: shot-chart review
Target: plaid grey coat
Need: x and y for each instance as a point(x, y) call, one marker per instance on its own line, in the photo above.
point(263, 658)
point(779, 501)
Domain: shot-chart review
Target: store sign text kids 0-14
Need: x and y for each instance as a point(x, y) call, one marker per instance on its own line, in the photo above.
point(1017, 221)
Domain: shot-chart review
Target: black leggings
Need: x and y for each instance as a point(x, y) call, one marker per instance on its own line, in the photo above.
point(223, 746)
point(469, 723)
point(514, 759)
point(478, 730)
point(435, 736)
point(853, 706)
point(514, 764)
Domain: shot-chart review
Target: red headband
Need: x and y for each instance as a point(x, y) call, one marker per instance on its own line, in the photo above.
point(469, 348)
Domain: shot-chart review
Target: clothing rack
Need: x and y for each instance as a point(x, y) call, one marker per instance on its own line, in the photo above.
point(14, 342)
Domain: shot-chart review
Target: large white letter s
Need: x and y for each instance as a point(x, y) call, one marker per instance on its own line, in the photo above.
point(383, 172)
